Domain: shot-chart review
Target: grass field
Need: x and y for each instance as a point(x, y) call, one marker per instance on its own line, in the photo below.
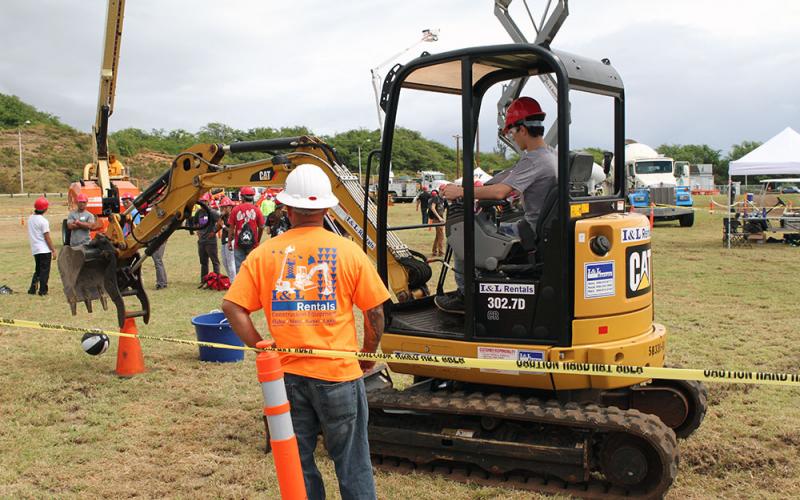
point(69, 427)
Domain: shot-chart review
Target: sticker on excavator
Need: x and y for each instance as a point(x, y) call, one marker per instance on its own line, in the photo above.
point(639, 266)
point(265, 174)
point(498, 353)
point(353, 224)
point(529, 356)
point(598, 280)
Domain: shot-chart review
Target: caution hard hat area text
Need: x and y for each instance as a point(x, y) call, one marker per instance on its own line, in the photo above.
point(721, 375)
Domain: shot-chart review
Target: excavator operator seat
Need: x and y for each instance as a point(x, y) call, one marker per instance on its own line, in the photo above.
point(493, 247)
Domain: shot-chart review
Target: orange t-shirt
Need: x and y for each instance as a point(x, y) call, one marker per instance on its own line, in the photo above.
point(307, 281)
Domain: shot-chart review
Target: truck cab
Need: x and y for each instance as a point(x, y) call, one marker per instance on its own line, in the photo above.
point(655, 179)
point(431, 179)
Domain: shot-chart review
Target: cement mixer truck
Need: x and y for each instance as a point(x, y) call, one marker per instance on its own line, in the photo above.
point(654, 179)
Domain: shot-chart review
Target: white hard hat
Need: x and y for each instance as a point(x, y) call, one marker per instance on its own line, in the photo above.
point(307, 186)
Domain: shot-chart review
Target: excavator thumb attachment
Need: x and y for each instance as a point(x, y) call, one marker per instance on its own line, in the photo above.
point(92, 272)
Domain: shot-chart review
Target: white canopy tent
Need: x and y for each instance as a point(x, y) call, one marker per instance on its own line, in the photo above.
point(779, 155)
point(478, 174)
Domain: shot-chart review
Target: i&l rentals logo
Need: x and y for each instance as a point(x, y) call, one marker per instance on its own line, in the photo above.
point(639, 276)
point(306, 283)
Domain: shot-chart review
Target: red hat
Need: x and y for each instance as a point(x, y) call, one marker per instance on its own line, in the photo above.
point(41, 203)
point(247, 191)
point(226, 202)
point(205, 197)
point(81, 198)
point(127, 196)
point(477, 183)
point(522, 109)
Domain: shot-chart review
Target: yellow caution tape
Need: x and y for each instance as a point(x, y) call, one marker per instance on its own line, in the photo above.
point(563, 367)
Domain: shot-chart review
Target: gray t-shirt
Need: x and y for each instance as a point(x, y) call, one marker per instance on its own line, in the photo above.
point(79, 236)
point(532, 176)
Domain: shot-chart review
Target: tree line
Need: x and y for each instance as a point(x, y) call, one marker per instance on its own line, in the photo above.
point(411, 152)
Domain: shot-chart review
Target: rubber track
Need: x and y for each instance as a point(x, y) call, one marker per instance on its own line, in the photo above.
point(572, 415)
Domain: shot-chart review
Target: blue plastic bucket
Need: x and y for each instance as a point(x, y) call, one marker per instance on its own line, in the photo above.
point(214, 327)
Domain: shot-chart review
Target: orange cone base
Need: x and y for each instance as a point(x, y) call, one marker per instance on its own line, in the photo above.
point(130, 360)
point(288, 469)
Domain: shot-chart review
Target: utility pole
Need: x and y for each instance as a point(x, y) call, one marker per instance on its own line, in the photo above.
point(457, 137)
point(19, 138)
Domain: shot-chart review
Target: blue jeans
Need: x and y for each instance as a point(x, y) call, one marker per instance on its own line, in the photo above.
point(339, 410)
point(508, 228)
point(238, 256)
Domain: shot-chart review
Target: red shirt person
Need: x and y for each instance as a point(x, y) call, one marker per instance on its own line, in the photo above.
point(245, 226)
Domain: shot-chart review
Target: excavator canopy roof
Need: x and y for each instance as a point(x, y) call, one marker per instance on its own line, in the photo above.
point(442, 72)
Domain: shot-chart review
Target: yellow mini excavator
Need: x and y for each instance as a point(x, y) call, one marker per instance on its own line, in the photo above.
point(580, 290)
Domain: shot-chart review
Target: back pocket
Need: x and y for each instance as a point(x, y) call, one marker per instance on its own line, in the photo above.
point(338, 400)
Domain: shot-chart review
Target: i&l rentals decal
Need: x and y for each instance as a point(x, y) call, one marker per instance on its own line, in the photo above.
point(508, 288)
point(633, 234)
point(598, 279)
point(639, 276)
point(352, 223)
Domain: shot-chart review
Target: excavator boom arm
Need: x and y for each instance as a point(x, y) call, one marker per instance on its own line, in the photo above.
point(167, 203)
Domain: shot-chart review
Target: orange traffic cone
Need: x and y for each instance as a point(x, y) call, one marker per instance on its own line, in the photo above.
point(130, 360)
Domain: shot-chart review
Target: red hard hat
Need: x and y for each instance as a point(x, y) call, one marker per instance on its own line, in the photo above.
point(81, 197)
point(205, 197)
point(477, 183)
point(521, 109)
point(247, 191)
point(226, 202)
point(41, 203)
point(127, 196)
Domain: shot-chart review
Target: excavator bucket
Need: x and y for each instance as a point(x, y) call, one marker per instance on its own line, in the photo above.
point(83, 274)
point(92, 272)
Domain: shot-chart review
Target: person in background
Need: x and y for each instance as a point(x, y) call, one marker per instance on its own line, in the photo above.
point(246, 226)
point(421, 201)
point(161, 270)
point(206, 222)
point(278, 221)
point(115, 168)
point(133, 218)
point(42, 247)
point(226, 205)
point(436, 208)
point(80, 222)
point(267, 205)
point(325, 395)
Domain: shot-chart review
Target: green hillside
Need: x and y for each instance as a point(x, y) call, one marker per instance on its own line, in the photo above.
point(54, 153)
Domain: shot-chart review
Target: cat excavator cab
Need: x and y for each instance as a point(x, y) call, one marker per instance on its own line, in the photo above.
point(577, 288)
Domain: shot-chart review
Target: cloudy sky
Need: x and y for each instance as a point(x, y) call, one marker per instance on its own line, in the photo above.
point(699, 71)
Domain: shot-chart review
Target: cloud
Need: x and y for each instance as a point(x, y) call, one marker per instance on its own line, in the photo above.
point(695, 71)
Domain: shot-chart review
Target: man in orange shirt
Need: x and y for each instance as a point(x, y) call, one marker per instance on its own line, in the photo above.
point(307, 280)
